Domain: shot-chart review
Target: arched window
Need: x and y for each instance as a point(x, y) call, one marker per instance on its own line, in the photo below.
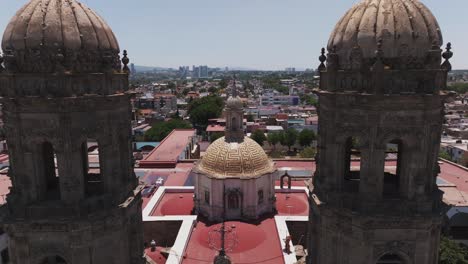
point(352, 165)
point(53, 260)
point(91, 168)
point(393, 167)
point(51, 176)
point(390, 259)
point(234, 125)
point(207, 197)
point(260, 196)
point(233, 200)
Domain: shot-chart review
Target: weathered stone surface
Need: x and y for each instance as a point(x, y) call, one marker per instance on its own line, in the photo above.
point(375, 95)
point(407, 29)
point(59, 36)
point(63, 85)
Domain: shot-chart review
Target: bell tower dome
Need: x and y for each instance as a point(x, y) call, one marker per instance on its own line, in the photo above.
point(65, 93)
point(375, 197)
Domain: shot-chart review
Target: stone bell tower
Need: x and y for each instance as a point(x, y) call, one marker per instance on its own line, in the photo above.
point(63, 86)
point(375, 198)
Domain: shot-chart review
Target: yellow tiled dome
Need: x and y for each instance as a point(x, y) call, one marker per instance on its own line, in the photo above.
point(235, 160)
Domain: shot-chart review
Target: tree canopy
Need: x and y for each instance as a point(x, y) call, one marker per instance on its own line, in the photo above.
point(215, 136)
point(308, 153)
point(306, 137)
point(202, 109)
point(258, 136)
point(452, 253)
point(159, 131)
point(290, 138)
point(460, 88)
point(273, 139)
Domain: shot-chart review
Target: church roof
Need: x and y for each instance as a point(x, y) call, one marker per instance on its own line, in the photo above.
point(404, 26)
point(246, 159)
point(46, 32)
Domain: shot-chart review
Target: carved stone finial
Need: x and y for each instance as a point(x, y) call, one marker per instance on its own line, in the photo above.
point(125, 61)
point(447, 55)
point(322, 60)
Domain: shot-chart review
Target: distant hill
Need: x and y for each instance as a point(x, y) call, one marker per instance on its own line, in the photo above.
point(139, 68)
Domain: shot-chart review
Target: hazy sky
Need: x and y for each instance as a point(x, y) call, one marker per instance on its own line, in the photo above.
point(261, 34)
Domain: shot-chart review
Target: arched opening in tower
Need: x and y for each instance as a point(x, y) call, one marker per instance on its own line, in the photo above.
point(392, 175)
point(260, 196)
point(53, 260)
point(234, 125)
point(390, 259)
point(92, 168)
point(352, 169)
point(52, 180)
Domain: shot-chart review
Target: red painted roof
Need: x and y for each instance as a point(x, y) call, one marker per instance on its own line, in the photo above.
point(174, 204)
point(166, 155)
point(255, 243)
point(455, 174)
point(292, 204)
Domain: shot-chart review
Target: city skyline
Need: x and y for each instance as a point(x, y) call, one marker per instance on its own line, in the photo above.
point(259, 34)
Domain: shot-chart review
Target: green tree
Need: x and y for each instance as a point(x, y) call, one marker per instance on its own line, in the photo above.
point(452, 253)
point(250, 118)
point(215, 136)
point(460, 88)
point(443, 154)
point(223, 83)
point(213, 90)
point(308, 153)
point(202, 109)
point(273, 138)
point(185, 91)
point(306, 137)
point(258, 136)
point(159, 131)
point(171, 85)
point(290, 138)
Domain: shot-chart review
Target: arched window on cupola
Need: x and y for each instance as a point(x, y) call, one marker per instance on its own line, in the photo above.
point(390, 259)
point(92, 168)
point(51, 177)
point(234, 125)
point(393, 168)
point(352, 165)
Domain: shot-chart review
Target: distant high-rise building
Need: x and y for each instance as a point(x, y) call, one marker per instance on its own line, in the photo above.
point(290, 70)
point(203, 72)
point(132, 68)
point(184, 71)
